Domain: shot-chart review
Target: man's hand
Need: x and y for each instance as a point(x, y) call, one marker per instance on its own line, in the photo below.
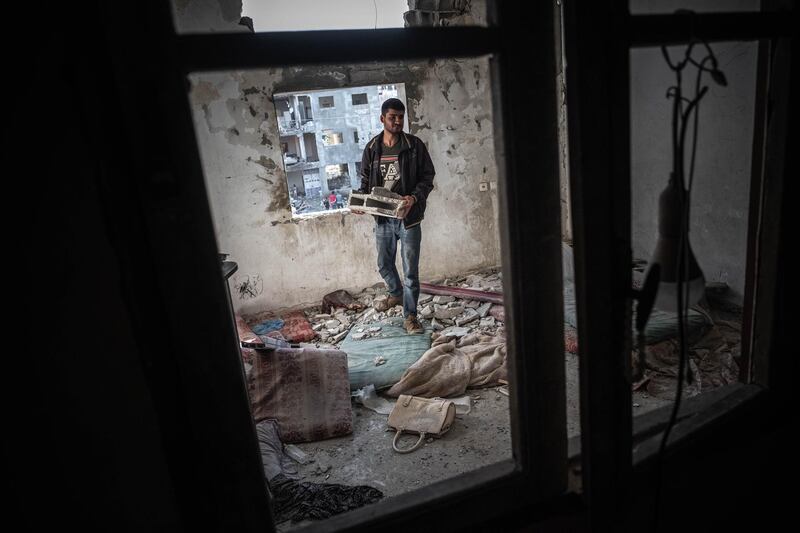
point(408, 203)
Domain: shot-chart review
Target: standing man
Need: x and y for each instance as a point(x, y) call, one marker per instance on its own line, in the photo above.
point(399, 162)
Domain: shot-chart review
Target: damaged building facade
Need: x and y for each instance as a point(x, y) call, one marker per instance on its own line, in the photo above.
point(323, 134)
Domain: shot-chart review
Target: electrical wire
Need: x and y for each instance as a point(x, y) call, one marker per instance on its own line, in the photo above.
point(683, 246)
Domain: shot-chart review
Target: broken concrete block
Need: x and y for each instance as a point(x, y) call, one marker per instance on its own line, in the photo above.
point(436, 325)
point(424, 298)
point(340, 336)
point(427, 311)
point(330, 324)
point(359, 336)
point(381, 202)
point(379, 360)
point(470, 315)
point(488, 322)
point(440, 299)
point(455, 331)
point(374, 329)
point(472, 304)
point(368, 315)
point(483, 310)
point(442, 312)
point(321, 316)
point(317, 327)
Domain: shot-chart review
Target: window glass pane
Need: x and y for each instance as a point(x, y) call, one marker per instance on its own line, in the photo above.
point(268, 175)
point(717, 166)
point(232, 16)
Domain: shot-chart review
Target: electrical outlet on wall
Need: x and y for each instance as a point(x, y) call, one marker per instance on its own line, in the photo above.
point(483, 186)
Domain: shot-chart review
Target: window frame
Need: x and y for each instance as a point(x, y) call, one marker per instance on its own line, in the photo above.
point(537, 469)
point(599, 131)
point(198, 390)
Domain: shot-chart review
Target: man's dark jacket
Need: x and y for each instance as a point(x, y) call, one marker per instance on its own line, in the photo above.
point(416, 173)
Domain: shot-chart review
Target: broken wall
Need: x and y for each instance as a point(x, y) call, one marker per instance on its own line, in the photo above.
point(720, 197)
point(287, 262)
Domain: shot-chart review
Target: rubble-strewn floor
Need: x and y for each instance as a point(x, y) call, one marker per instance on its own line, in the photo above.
point(479, 438)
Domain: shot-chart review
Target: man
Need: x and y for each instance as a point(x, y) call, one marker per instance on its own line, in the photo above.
point(401, 163)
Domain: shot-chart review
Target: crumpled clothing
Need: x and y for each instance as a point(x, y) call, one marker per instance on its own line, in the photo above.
point(267, 326)
point(304, 500)
point(299, 500)
point(452, 365)
point(711, 360)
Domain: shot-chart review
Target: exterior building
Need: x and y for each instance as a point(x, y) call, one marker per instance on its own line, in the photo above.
point(323, 134)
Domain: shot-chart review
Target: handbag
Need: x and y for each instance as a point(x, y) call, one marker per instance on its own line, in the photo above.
point(425, 416)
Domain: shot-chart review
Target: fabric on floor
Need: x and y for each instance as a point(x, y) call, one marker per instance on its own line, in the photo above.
point(304, 500)
point(273, 324)
point(711, 360)
point(305, 389)
point(399, 349)
point(299, 500)
point(296, 328)
point(452, 365)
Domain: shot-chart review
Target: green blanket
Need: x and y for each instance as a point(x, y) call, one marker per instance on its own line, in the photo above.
point(399, 350)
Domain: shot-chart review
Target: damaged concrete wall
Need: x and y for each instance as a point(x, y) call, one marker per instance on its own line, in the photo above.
point(286, 262)
point(720, 200)
point(207, 16)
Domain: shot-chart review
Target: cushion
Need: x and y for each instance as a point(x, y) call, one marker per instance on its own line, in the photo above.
point(306, 390)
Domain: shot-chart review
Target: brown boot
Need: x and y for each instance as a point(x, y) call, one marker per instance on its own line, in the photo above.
point(412, 325)
point(385, 305)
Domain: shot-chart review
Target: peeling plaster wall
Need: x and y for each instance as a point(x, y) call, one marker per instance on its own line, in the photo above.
point(287, 263)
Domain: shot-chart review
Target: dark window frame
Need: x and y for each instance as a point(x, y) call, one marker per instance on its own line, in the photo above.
point(198, 391)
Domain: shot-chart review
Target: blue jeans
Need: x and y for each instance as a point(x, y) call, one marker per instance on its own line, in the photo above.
point(386, 236)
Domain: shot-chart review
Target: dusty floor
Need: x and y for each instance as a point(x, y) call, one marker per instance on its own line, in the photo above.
point(479, 438)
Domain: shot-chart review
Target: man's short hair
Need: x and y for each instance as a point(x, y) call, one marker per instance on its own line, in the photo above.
point(392, 103)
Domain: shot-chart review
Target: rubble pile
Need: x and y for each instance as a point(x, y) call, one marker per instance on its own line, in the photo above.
point(450, 315)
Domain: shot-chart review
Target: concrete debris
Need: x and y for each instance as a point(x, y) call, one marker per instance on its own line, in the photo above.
point(443, 312)
point(455, 312)
point(470, 315)
point(296, 453)
point(340, 337)
point(380, 360)
point(455, 331)
point(488, 322)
